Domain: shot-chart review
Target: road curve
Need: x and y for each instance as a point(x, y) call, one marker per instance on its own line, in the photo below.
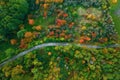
point(55, 44)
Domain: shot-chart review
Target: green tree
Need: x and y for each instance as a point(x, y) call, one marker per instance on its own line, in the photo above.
point(13, 13)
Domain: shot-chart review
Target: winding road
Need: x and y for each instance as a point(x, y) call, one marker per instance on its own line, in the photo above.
point(55, 44)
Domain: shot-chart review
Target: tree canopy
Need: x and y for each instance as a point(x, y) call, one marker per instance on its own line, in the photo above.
point(12, 14)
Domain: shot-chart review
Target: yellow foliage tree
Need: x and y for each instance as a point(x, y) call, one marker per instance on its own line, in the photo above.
point(114, 1)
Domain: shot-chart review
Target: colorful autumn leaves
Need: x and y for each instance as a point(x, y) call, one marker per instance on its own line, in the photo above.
point(91, 26)
point(38, 28)
point(13, 71)
point(56, 32)
point(31, 21)
point(60, 22)
point(48, 1)
point(114, 1)
point(28, 36)
point(62, 27)
point(13, 41)
point(65, 23)
point(83, 39)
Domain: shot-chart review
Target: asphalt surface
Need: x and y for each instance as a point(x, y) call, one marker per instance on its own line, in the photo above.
point(55, 44)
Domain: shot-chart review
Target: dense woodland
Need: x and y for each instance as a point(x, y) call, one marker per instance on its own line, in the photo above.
point(27, 23)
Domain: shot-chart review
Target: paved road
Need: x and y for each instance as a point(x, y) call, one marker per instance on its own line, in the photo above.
point(55, 44)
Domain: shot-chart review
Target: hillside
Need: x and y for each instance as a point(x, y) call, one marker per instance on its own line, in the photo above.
point(59, 40)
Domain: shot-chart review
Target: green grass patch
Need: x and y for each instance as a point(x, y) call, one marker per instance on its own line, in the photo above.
point(116, 18)
point(44, 21)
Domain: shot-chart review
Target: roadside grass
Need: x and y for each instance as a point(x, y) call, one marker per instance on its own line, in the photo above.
point(116, 18)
